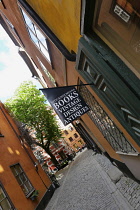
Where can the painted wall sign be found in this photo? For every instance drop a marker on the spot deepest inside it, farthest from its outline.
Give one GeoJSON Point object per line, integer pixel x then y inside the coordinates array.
{"type": "Point", "coordinates": [67, 103]}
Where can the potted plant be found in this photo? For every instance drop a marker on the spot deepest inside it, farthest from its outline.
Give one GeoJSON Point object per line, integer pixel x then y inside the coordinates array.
{"type": "Point", "coordinates": [34, 195]}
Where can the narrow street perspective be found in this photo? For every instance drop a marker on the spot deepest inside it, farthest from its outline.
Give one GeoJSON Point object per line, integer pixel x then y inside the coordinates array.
{"type": "Point", "coordinates": [86, 186]}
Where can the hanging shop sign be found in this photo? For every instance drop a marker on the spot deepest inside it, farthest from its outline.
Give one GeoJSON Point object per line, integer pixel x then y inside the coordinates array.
{"type": "Point", "coordinates": [67, 103]}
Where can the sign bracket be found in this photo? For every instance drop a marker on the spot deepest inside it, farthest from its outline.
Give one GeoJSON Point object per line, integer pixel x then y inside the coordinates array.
{"type": "Point", "coordinates": [66, 86]}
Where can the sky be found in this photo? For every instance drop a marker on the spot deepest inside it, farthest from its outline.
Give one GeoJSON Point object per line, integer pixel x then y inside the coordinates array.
{"type": "Point", "coordinates": [13, 70]}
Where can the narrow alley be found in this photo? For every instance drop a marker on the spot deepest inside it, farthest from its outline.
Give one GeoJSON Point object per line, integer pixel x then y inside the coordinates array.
{"type": "Point", "coordinates": [86, 186]}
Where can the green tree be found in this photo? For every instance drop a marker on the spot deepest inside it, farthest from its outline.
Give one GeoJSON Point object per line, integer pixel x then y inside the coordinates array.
{"type": "Point", "coordinates": [29, 106]}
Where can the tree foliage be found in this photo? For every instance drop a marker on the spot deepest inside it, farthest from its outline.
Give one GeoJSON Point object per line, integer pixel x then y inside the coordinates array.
{"type": "Point", "coordinates": [29, 106]}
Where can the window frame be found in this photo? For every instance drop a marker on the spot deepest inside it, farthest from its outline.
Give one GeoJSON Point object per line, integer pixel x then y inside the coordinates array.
{"type": "Point", "coordinates": [27, 180]}
{"type": "Point", "coordinates": [89, 29]}
{"type": "Point", "coordinates": [47, 73]}
{"type": "Point", "coordinates": [66, 132]}
{"type": "Point", "coordinates": [12, 30]}
{"type": "Point", "coordinates": [71, 140]}
{"type": "Point", "coordinates": [70, 128]}
{"type": "Point", "coordinates": [55, 145]}
{"type": "Point", "coordinates": [6, 197]}
{"type": "Point", "coordinates": [75, 135]}
{"type": "Point", "coordinates": [34, 32]}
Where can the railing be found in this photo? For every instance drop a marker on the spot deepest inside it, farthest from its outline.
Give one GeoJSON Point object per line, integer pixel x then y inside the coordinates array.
{"type": "Point", "coordinates": [104, 123]}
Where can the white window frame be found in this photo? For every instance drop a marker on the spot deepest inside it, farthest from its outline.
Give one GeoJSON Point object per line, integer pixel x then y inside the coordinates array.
{"type": "Point", "coordinates": [24, 181]}
{"type": "Point", "coordinates": [36, 35]}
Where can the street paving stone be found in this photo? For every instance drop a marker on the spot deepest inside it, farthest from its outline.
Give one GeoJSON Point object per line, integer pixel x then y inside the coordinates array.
{"type": "Point", "coordinates": [86, 186]}
{"type": "Point", "coordinates": [128, 187]}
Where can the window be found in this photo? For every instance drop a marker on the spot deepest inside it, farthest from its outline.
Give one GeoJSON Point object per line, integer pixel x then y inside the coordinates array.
{"type": "Point", "coordinates": [75, 135]}
{"type": "Point", "coordinates": [105, 124]}
{"type": "Point", "coordinates": [62, 155]}
{"type": "Point", "coordinates": [36, 35]}
{"type": "Point", "coordinates": [5, 203]}
{"type": "Point", "coordinates": [76, 146]}
{"type": "Point", "coordinates": [70, 128]}
{"type": "Point", "coordinates": [1, 1]}
{"type": "Point", "coordinates": [39, 156]}
{"type": "Point", "coordinates": [80, 142]}
{"type": "Point", "coordinates": [66, 132]}
{"type": "Point", "coordinates": [14, 34]}
{"type": "Point", "coordinates": [71, 139]}
{"type": "Point", "coordinates": [56, 145]}
{"type": "Point", "coordinates": [22, 179]}
{"type": "Point", "coordinates": [47, 72]}
{"type": "Point", "coordinates": [117, 21]}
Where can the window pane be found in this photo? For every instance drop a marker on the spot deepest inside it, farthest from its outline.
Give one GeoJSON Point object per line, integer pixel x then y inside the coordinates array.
{"type": "Point", "coordinates": [75, 135]}
{"type": "Point", "coordinates": [28, 21]}
{"type": "Point", "coordinates": [19, 180]}
{"type": "Point", "coordinates": [75, 145]}
{"type": "Point", "coordinates": [5, 204]}
{"type": "Point", "coordinates": [41, 37]}
{"type": "Point", "coordinates": [70, 128]}
{"type": "Point", "coordinates": [45, 52]}
{"type": "Point", "coordinates": [34, 39]}
{"type": "Point", "coordinates": [37, 36]}
{"type": "Point", "coordinates": [28, 185]}
{"type": "Point", "coordinates": [14, 171]}
{"type": "Point", "coordinates": [66, 132]}
{"type": "Point", "coordinates": [23, 177]}
{"type": "Point", "coordinates": [89, 70]}
{"type": "Point", "coordinates": [25, 190]}
{"type": "Point", "coordinates": [71, 139]}
{"type": "Point", "coordinates": [18, 169]}
{"type": "Point", "coordinates": [1, 194]}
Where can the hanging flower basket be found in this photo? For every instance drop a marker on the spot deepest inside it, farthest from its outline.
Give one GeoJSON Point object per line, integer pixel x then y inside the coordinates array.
{"type": "Point", "coordinates": [34, 195]}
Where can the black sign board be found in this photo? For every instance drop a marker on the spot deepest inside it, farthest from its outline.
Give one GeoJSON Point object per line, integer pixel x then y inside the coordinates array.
{"type": "Point", "coordinates": [67, 103]}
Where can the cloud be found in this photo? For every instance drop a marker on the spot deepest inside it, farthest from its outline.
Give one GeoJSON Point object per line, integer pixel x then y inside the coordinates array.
{"type": "Point", "coordinates": [13, 70]}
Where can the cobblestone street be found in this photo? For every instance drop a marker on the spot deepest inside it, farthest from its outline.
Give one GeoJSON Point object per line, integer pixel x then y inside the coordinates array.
{"type": "Point", "coordinates": [128, 187]}
{"type": "Point", "coordinates": [86, 185]}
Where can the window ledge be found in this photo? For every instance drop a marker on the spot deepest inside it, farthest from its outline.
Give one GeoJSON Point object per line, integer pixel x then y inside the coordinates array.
{"type": "Point", "coordinates": [128, 154]}
{"type": "Point", "coordinates": [27, 196]}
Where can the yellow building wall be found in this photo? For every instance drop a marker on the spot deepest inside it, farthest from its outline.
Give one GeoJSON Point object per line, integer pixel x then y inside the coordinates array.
{"type": "Point", "coordinates": [77, 142]}
{"type": "Point", "coordinates": [62, 17]}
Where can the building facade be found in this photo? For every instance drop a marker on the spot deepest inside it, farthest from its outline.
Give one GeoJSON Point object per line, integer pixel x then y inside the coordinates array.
{"type": "Point", "coordinates": [60, 150]}
{"type": "Point", "coordinates": [73, 139]}
{"type": "Point", "coordinates": [20, 174]}
{"type": "Point", "coordinates": [87, 42]}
